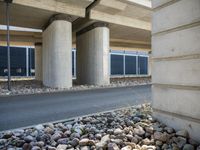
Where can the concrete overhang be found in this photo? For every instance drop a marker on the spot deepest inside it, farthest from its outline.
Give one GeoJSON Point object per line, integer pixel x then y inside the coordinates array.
{"type": "Point", "coordinates": [36, 13]}
{"type": "Point", "coordinates": [129, 21]}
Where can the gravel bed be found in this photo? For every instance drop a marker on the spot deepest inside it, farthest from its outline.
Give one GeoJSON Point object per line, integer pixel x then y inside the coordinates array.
{"type": "Point", "coordinates": [131, 128]}
{"type": "Point", "coordinates": [33, 86]}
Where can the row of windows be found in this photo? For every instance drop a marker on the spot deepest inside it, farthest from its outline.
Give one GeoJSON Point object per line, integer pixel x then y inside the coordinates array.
{"type": "Point", "coordinates": [23, 62]}
{"type": "Point", "coordinates": [123, 64]}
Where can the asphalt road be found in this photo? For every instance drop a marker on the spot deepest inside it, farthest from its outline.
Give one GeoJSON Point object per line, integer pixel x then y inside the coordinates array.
{"type": "Point", "coordinates": [21, 111]}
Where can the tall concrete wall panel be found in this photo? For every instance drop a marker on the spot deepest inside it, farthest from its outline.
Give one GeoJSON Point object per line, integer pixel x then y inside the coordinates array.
{"type": "Point", "coordinates": [93, 57]}
{"type": "Point", "coordinates": [176, 64]}
{"type": "Point", "coordinates": [57, 54]}
{"type": "Point", "coordinates": [172, 43]}
{"type": "Point", "coordinates": [177, 14]}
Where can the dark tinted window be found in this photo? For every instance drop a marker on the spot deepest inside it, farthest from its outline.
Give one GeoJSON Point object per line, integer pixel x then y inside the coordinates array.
{"type": "Point", "coordinates": [73, 65]}
{"type": "Point", "coordinates": [31, 61]}
{"type": "Point", "coordinates": [130, 64]}
{"type": "Point", "coordinates": [143, 65]}
{"type": "Point", "coordinates": [117, 64]}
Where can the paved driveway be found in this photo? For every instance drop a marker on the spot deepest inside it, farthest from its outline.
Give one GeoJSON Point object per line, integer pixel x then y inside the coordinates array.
{"type": "Point", "coordinates": [20, 111]}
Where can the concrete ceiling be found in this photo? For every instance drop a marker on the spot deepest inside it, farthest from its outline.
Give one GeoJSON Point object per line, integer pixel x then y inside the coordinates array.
{"type": "Point", "coordinates": [130, 22]}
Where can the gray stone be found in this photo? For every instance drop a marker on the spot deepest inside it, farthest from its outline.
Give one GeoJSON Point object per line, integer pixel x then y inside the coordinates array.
{"type": "Point", "coordinates": [118, 131]}
{"type": "Point", "coordinates": [39, 127]}
{"type": "Point", "coordinates": [61, 147]}
{"type": "Point", "coordinates": [62, 141]}
{"type": "Point", "coordinates": [146, 141]}
{"type": "Point", "coordinates": [183, 133]}
{"type": "Point", "coordinates": [127, 148]}
{"type": "Point", "coordinates": [56, 136]}
{"type": "Point", "coordinates": [3, 141]}
{"type": "Point", "coordinates": [188, 147]}
{"type": "Point", "coordinates": [28, 139]}
{"type": "Point", "coordinates": [86, 142]}
{"type": "Point", "coordinates": [74, 142]}
{"type": "Point", "coordinates": [161, 136]}
{"type": "Point", "coordinates": [85, 148]}
{"type": "Point", "coordinates": [36, 148]}
{"type": "Point", "coordinates": [139, 131]}
{"type": "Point", "coordinates": [7, 134]}
{"type": "Point", "coordinates": [98, 136]}
{"type": "Point", "coordinates": [113, 146]}
{"type": "Point", "coordinates": [180, 141]}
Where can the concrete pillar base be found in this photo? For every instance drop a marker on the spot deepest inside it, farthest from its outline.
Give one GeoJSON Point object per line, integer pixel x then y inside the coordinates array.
{"type": "Point", "coordinates": [57, 54]}
{"type": "Point", "coordinates": [93, 55]}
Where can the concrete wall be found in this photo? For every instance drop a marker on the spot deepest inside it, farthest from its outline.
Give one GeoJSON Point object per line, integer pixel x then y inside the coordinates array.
{"type": "Point", "coordinates": [93, 57]}
{"type": "Point", "coordinates": [57, 54]}
{"type": "Point", "coordinates": [176, 64]}
{"type": "Point", "coordinates": [38, 61]}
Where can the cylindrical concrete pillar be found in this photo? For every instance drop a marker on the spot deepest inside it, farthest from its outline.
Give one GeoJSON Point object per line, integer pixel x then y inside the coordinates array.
{"type": "Point", "coordinates": [92, 45]}
{"type": "Point", "coordinates": [38, 61]}
{"type": "Point", "coordinates": [57, 54]}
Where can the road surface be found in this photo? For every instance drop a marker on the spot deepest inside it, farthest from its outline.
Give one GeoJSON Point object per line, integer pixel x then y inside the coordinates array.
{"type": "Point", "coordinates": [21, 111]}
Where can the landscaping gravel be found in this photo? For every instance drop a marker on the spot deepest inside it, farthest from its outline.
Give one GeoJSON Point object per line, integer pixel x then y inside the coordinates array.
{"type": "Point", "coordinates": [33, 86]}
{"type": "Point", "coordinates": [131, 128]}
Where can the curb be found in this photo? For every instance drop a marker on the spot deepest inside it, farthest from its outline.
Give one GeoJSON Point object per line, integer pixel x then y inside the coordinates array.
{"type": "Point", "coordinates": [70, 120]}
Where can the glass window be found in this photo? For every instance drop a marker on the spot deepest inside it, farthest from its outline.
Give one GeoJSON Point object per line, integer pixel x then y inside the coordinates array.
{"type": "Point", "coordinates": [130, 64]}
{"type": "Point", "coordinates": [117, 65]}
{"type": "Point", "coordinates": [142, 65]}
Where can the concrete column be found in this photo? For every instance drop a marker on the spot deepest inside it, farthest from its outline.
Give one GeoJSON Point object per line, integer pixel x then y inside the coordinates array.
{"type": "Point", "coordinates": [38, 61]}
{"type": "Point", "coordinates": [93, 55]}
{"type": "Point", "coordinates": [149, 64]}
{"type": "Point", "coordinates": [176, 64]}
{"type": "Point", "coordinates": [57, 53]}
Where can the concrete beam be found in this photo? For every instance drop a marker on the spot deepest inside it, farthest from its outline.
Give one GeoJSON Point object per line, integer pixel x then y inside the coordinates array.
{"type": "Point", "coordinates": [120, 20]}
{"type": "Point", "coordinates": [54, 6]}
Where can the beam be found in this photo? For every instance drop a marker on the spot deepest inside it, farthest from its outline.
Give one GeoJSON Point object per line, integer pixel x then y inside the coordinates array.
{"type": "Point", "coordinates": [54, 6]}
{"type": "Point", "coordinates": [120, 20]}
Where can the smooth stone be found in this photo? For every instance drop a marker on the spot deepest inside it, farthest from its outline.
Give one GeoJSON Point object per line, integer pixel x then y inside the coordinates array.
{"type": "Point", "coordinates": [188, 147]}
{"type": "Point", "coordinates": [49, 130]}
{"type": "Point", "coordinates": [27, 146]}
{"type": "Point", "coordinates": [118, 131]}
{"type": "Point", "coordinates": [28, 139]}
{"type": "Point", "coordinates": [98, 136]}
{"type": "Point", "coordinates": [169, 130]}
{"type": "Point", "coordinates": [149, 129]}
{"type": "Point", "coordinates": [36, 148]}
{"type": "Point", "coordinates": [51, 148]}
{"type": "Point", "coordinates": [62, 141]}
{"type": "Point", "coordinates": [7, 135]}
{"type": "Point", "coordinates": [127, 148]}
{"type": "Point", "coordinates": [39, 127]}
{"type": "Point", "coordinates": [56, 136]}
{"type": "Point", "coordinates": [113, 146]}
{"type": "Point", "coordinates": [183, 133]}
{"type": "Point", "coordinates": [161, 136]}
{"type": "Point", "coordinates": [86, 142]}
{"type": "Point", "coordinates": [3, 141]}
{"type": "Point", "coordinates": [85, 148]}
{"type": "Point", "coordinates": [180, 141]}
{"type": "Point", "coordinates": [18, 132]}
{"type": "Point", "coordinates": [139, 131]}
{"type": "Point", "coordinates": [74, 142]}
{"type": "Point", "coordinates": [61, 147]}
{"type": "Point", "coordinates": [146, 141]}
